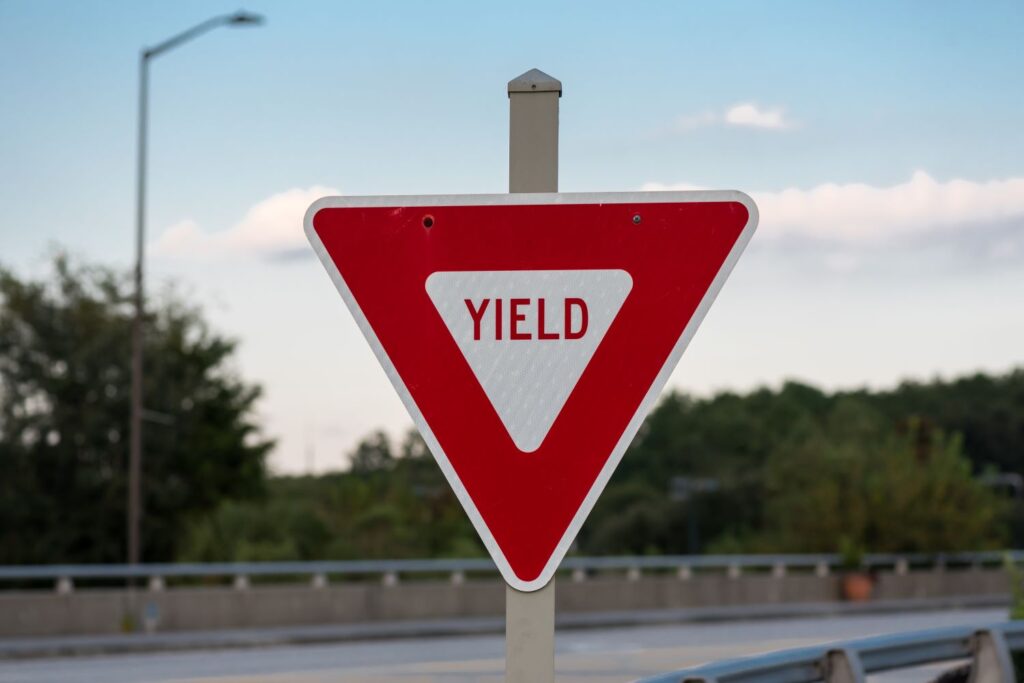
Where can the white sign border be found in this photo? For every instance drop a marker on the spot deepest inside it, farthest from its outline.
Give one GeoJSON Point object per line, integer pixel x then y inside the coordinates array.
{"type": "Point", "coordinates": [519, 199]}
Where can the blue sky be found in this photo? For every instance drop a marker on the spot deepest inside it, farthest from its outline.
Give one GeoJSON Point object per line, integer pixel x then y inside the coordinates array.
{"type": "Point", "coordinates": [882, 141]}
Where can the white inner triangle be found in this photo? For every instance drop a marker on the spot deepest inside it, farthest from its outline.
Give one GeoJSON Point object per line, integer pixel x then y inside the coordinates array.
{"type": "Point", "coordinates": [528, 379]}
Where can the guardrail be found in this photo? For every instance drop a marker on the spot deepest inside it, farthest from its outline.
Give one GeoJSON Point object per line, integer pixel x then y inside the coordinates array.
{"type": "Point", "coordinates": [580, 568]}
{"type": "Point", "coordinates": [988, 649]}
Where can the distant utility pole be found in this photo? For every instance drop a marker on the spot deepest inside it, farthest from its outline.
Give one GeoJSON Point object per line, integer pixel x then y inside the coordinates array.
{"type": "Point", "coordinates": [687, 490]}
{"type": "Point", "coordinates": [240, 18]}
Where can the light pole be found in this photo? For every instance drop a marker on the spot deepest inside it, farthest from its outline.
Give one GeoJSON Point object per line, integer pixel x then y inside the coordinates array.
{"type": "Point", "coordinates": [686, 490]}
{"type": "Point", "coordinates": [240, 18]}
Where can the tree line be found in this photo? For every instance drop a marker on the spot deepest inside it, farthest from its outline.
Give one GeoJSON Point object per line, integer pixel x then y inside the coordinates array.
{"type": "Point", "coordinates": [789, 470]}
{"type": "Point", "coordinates": [925, 466]}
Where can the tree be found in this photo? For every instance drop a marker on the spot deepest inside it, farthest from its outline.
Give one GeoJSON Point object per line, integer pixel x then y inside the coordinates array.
{"type": "Point", "coordinates": [854, 480]}
{"type": "Point", "coordinates": [373, 454]}
{"type": "Point", "coordinates": [64, 407]}
{"type": "Point", "coordinates": [386, 505]}
{"type": "Point", "coordinates": [988, 411]}
{"type": "Point", "coordinates": [727, 439]}
{"type": "Point", "coordinates": [794, 469]}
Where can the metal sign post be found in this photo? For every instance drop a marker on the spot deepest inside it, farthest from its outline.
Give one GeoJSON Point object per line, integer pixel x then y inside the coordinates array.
{"type": "Point", "coordinates": [532, 167]}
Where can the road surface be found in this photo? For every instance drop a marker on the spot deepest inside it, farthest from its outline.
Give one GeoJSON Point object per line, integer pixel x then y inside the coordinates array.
{"type": "Point", "coordinates": [592, 656]}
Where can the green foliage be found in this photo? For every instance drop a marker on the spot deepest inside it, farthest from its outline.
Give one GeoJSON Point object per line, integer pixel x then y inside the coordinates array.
{"type": "Point", "coordinates": [987, 411]}
{"type": "Point", "coordinates": [852, 482]}
{"type": "Point", "coordinates": [789, 470]}
{"type": "Point", "coordinates": [851, 551]}
{"type": "Point", "coordinates": [726, 438]}
{"type": "Point", "coordinates": [635, 519]}
{"type": "Point", "coordinates": [388, 505]}
{"type": "Point", "coordinates": [801, 470]}
{"type": "Point", "coordinates": [1016, 577]}
{"type": "Point", "coordinates": [796, 470]}
{"type": "Point", "coordinates": [373, 454]}
{"type": "Point", "coordinates": [64, 405]}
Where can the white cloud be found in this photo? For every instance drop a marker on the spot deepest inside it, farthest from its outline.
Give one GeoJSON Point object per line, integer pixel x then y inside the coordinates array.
{"type": "Point", "coordinates": [745, 114]}
{"type": "Point", "coordinates": [750, 115]}
{"type": "Point", "coordinates": [860, 213]}
{"type": "Point", "coordinates": [850, 213]}
{"type": "Point", "coordinates": [271, 227]}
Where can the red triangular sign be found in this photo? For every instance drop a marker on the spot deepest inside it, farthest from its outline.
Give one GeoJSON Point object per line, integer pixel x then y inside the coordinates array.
{"type": "Point", "coordinates": [529, 334]}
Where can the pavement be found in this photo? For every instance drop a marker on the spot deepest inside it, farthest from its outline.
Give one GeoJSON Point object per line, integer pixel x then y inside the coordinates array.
{"type": "Point", "coordinates": [599, 654]}
{"type": "Point", "coordinates": [58, 646]}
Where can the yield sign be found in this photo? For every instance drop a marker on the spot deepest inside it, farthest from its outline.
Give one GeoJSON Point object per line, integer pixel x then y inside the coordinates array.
{"type": "Point", "coordinates": [529, 334]}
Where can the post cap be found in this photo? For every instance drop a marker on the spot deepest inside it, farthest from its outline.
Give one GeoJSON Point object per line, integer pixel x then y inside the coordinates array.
{"type": "Point", "coordinates": [535, 80]}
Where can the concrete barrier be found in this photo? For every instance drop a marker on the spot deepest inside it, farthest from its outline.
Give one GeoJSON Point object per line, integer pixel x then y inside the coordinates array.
{"type": "Point", "coordinates": [104, 611]}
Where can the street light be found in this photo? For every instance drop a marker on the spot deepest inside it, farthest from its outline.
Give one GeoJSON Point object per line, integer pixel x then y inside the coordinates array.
{"type": "Point", "coordinates": [686, 490]}
{"type": "Point", "coordinates": [240, 18]}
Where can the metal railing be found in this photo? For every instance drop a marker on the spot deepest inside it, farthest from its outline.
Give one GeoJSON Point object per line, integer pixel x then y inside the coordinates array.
{"type": "Point", "coordinates": [580, 568]}
{"type": "Point", "coordinates": [988, 649]}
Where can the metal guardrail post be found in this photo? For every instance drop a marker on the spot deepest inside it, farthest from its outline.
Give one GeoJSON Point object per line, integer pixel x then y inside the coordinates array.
{"type": "Point", "coordinates": [821, 570]}
{"type": "Point", "coordinates": [65, 585]}
{"type": "Point", "coordinates": [156, 584]}
{"type": "Point", "coordinates": [902, 566]}
{"type": "Point", "coordinates": [579, 575]}
{"type": "Point", "coordinates": [779, 570]}
{"type": "Point", "coordinates": [684, 573]}
{"type": "Point", "coordinates": [633, 574]}
{"type": "Point", "coordinates": [734, 571]}
{"type": "Point", "coordinates": [992, 662]}
{"type": "Point", "coordinates": [241, 582]}
{"type": "Point", "coordinates": [319, 580]}
{"type": "Point", "coordinates": [458, 578]}
{"type": "Point", "coordinates": [390, 579]}
{"type": "Point", "coordinates": [843, 666]}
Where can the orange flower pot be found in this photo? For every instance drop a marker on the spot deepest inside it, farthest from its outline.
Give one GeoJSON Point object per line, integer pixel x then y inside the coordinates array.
{"type": "Point", "coordinates": [857, 587]}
